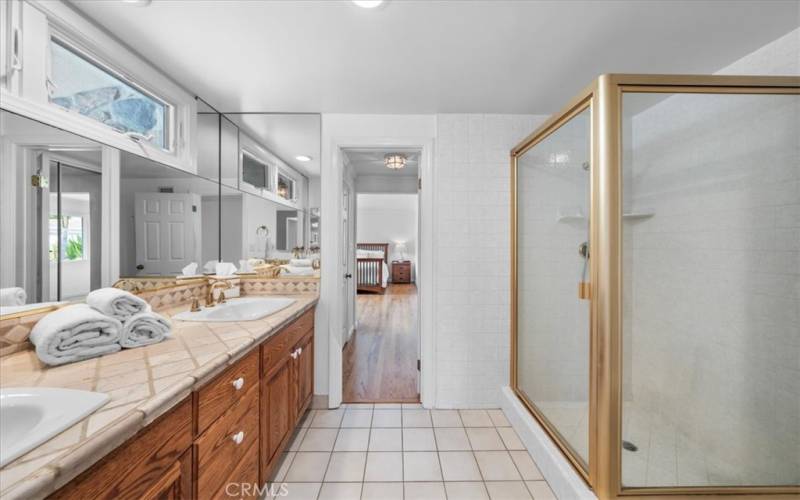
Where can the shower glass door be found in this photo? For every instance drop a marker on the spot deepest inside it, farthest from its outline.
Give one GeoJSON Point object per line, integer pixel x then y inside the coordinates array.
{"type": "Point", "coordinates": [552, 270]}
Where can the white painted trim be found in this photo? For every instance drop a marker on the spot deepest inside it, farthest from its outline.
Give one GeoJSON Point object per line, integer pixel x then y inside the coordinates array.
{"type": "Point", "coordinates": [110, 214]}
{"type": "Point", "coordinates": [556, 469]}
{"type": "Point", "coordinates": [330, 298]}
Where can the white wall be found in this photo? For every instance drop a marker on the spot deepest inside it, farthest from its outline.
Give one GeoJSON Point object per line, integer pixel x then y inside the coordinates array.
{"type": "Point", "coordinates": [471, 254]}
{"type": "Point", "coordinates": [386, 184]}
{"type": "Point", "coordinates": [389, 218]}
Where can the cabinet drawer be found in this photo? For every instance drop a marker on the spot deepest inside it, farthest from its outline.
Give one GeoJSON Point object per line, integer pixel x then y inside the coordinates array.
{"type": "Point", "coordinates": [279, 346]}
{"type": "Point", "coordinates": [218, 451]}
{"type": "Point", "coordinates": [225, 390]}
{"type": "Point", "coordinates": [243, 481]}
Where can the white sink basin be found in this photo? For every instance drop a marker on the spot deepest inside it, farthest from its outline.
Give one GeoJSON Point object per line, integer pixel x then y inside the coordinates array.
{"type": "Point", "coordinates": [29, 416]}
{"type": "Point", "coordinates": [243, 309]}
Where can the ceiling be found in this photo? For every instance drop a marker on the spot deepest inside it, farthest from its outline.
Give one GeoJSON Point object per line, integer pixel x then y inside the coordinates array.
{"type": "Point", "coordinates": [414, 56]}
{"type": "Point", "coordinates": [370, 162]}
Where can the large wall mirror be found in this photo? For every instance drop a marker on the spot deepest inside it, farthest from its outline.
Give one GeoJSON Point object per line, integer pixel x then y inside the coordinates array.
{"type": "Point", "coordinates": [247, 198]}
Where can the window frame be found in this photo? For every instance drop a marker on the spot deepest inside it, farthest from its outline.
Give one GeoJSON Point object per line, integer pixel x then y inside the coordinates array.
{"type": "Point", "coordinates": [243, 151]}
{"type": "Point", "coordinates": [60, 37]}
{"type": "Point", "coordinates": [292, 183]}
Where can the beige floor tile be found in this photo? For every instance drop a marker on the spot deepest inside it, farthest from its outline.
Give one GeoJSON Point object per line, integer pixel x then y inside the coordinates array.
{"type": "Point", "coordinates": [382, 491]}
{"type": "Point", "coordinates": [510, 438]}
{"type": "Point", "coordinates": [507, 490]}
{"type": "Point", "coordinates": [496, 466]}
{"type": "Point", "coordinates": [484, 438]}
{"type": "Point", "coordinates": [446, 418]}
{"type": "Point", "coordinates": [451, 439]}
{"type": "Point", "coordinates": [526, 466]}
{"type": "Point", "coordinates": [459, 466]}
{"type": "Point", "coordinates": [498, 418]}
{"type": "Point", "coordinates": [346, 467]}
{"type": "Point", "coordinates": [357, 418]}
{"type": "Point", "coordinates": [308, 467]}
{"type": "Point", "coordinates": [387, 418]}
{"type": "Point", "coordinates": [328, 418]}
{"type": "Point", "coordinates": [473, 490]}
{"type": "Point", "coordinates": [340, 491]}
{"type": "Point", "coordinates": [424, 491]}
{"type": "Point", "coordinates": [421, 466]}
{"type": "Point", "coordinates": [362, 406]}
{"type": "Point", "coordinates": [279, 472]}
{"type": "Point", "coordinates": [386, 440]}
{"type": "Point", "coordinates": [319, 440]}
{"type": "Point", "coordinates": [417, 418]}
{"type": "Point", "coordinates": [540, 490]}
{"type": "Point", "coordinates": [297, 439]}
{"type": "Point", "coordinates": [308, 416]}
{"type": "Point", "coordinates": [352, 440]}
{"type": "Point", "coordinates": [418, 439]}
{"type": "Point", "coordinates": [295, 491]}
{"type": "Point", "coordinates": [384, 466]}
{"type": "Point", "coordinates": [412, 406]}
{"type": "Point", "coordinates": [475, 418]}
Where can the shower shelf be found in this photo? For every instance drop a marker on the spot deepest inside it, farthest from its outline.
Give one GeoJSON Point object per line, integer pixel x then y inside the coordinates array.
{"type": "Point", "coordinates": [578, 217]}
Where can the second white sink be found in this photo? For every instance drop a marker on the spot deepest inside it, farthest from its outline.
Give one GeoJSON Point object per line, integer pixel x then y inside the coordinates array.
{"type": "Point", "coordinates": [29, 416]}
{"type": "Point", "coordinates": [243, 309]}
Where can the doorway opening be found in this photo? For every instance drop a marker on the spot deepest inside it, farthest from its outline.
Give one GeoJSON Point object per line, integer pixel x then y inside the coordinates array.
{"type": "Point", "coordinates": [380, 358]}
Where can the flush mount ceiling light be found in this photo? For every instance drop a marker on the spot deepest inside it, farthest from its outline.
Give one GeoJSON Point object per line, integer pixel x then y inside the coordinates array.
{"type": "Point", "coordinates": [368, 4]}
{"type": "Point", "coordinates": [394, 161]}
{"type": "Point", "coordinates": [137, 3]}
{"type": "Point", "coordinates": [302, 158]}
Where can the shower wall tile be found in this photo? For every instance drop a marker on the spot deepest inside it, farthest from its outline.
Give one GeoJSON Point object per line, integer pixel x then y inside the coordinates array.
{"type": "Point", "coordinates": [472, 276]}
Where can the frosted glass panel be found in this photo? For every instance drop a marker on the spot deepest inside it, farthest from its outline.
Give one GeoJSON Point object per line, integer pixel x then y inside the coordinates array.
{"type": "Point", "coordinates": [711, 343]}
{"type": "Point", "coordinates": [552, 322]}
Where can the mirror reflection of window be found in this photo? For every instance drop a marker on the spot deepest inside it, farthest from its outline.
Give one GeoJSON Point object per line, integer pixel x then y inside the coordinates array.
{"type": "Point", "coordinates": [254, 171]}
{"type": "Point", "coordinates": [285, 187]}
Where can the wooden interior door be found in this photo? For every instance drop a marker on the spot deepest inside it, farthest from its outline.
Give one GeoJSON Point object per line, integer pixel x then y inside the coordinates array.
{"type": "Point", "coordinates": [167, 232]}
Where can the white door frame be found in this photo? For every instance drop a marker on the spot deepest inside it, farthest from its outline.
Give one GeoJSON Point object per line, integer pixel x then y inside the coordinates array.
{"type": "Point", "coordinates": [332, 277]}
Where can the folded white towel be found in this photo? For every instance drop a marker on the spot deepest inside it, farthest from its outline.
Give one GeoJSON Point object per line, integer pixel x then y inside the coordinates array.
{"type": "Point", "coordinates": [299, 271]}
{"type": "Point", "coordinates": [14, 296]}
{"type": "Point", "coordinates": [300, 262]}
{"type": "Point", "coordinates": [75, 333]}
{"type": "Point", "coordinates": [143, 329]}
{"type": "Point", "coordinates": [211, 266]}
{"type": "Point", "coordinates": [116, 303]}
{"type": "Point", "coordinates": [190, 269]}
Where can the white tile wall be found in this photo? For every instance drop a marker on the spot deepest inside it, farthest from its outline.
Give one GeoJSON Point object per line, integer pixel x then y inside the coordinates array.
{"type": "Point", "coordinates": [472, 254]}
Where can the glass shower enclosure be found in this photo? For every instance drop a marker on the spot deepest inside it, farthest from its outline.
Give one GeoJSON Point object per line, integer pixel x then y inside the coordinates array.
{"type": "Point", "coordinates": [656, 284]}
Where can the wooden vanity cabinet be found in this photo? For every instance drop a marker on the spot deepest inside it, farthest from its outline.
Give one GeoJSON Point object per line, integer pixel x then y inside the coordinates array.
{"type": "Point", "coordinates": [231, 431]}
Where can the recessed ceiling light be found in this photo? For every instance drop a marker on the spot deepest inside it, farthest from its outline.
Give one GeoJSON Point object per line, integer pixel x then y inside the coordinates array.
{"type": "Point", "coordinates": [368, 4]}
{"type": "Point", "coordinates": [137, 3]}
{"type": "Point", "coordinates": [302, 158]}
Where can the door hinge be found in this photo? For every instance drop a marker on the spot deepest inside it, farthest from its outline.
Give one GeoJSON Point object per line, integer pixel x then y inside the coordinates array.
{"type": "Point", "coordinates": [419, 365]}
{"type": "Point", "coordinates": [39, 181]}
{"type": "Point", "coordinates": [419, 183]}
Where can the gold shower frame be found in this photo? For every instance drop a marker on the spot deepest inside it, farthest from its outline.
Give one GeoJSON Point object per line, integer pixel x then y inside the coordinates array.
{"type": "Point", "coordinates": [603, 97]}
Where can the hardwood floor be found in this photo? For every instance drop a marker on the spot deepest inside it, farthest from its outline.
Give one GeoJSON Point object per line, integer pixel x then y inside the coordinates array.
{"type": "Point", "coordinates": [379, 363]}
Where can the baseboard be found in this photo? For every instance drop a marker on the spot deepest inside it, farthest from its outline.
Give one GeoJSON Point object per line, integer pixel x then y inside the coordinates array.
{"type": "Point", "coordinates": [556, 469]}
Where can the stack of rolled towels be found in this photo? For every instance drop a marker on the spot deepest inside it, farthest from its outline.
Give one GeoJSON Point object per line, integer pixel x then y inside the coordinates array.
{"type": "Point", "coordinates": [111, 319]}
{"type": "Point", "coordinates": [299, 267]}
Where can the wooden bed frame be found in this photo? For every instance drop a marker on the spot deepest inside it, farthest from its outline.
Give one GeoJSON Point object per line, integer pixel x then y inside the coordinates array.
{"type": "Point", "coordinates": [369, 272]}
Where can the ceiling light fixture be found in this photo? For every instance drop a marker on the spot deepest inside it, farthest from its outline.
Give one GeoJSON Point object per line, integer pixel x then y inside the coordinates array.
{"type": "Point", "coordinates": [394, 161]}
{"type": "Point", "coordinates": [368, 4]}
{"type": "Point", "coordinates": [138, 3]}
{"type": "Point", "coordinates": [302, 158]}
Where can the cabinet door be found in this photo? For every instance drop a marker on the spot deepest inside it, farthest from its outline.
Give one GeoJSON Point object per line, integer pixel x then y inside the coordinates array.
{"type": "Point", "coordinates": [277, 409]}
{"type": "Point", "coordinates": [175, 483]}
{"type": "Point", "coordinates": [305, 374]}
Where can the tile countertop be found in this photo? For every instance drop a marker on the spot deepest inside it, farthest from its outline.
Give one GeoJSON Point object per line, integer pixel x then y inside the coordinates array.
{"type": "Point", "coordinates": [143, 383]}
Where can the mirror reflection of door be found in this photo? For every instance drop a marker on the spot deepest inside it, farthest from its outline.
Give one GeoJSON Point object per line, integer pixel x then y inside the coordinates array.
{"type": "Point", "coordinates": [69, 232]}
{"type": "Point", "coordinates": [167, 232]}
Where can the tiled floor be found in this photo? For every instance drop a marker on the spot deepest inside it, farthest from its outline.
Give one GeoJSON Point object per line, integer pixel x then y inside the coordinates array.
{"type": "Point", "coordinates": [388, 452]}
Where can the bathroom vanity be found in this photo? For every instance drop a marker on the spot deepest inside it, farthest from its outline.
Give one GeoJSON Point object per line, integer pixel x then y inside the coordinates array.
{"type": "Point", "coordinates": [229, 431]}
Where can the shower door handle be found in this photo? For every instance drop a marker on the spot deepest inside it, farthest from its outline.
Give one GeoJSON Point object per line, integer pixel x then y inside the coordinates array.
{"type": "Point", "coordinates": [584, 290]}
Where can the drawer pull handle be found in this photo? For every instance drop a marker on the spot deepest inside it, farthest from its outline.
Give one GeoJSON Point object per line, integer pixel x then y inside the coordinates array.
{"type": "Point", "coordinates": [299, 351]}
{"type": "Point", "coordinates": [238, 383]}
{"type": "Point", "coordinates": [238, 437]}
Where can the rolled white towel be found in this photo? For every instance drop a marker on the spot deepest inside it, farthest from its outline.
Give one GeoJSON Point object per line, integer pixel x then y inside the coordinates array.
{"type": "Point", "coordinates": [117, 303]}
{"type": "Point", "coordinates": [300, 262]}
{"type": "Point", "coordinates": [299, 271]}
{"type": "Point", "coordinates": [143, 329]}
{"type": "Point", "coordinates": [75, 333]}
{"type": "Point", "coordinates": [14, 296]}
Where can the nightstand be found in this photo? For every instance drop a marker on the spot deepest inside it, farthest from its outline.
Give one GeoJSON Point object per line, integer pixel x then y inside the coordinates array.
{"type": "Point", "coordinates": [401, 271]}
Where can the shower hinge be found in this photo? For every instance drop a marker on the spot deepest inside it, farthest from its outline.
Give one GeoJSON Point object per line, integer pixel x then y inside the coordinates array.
{"type": "Point", "coordinates": [39, 181]}
{"type": "Point", "coordinates": [419, 365]}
